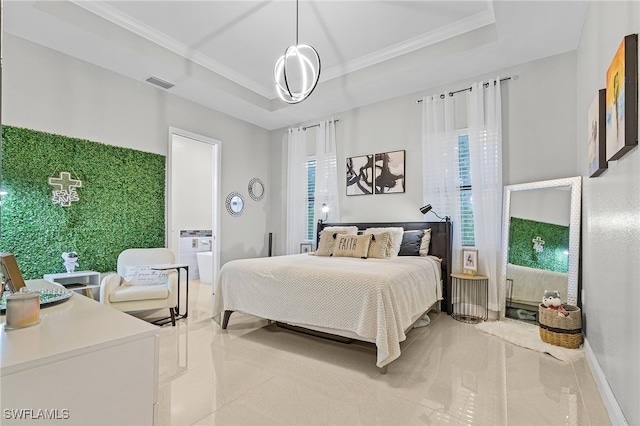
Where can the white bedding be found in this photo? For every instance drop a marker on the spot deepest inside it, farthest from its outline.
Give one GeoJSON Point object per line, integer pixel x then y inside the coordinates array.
{"type": "Point", "coordinates": [529, 284]}
{"type": "Point", "coordinates": [377, 299]}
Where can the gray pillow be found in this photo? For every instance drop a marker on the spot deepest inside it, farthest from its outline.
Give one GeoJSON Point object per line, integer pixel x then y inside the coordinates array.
{"type": "Point", "coordinates": [410, 245]}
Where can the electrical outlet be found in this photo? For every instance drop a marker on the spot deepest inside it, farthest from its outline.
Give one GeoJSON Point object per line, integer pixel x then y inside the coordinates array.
{"type": "Point", "coordinates": [194, 243]}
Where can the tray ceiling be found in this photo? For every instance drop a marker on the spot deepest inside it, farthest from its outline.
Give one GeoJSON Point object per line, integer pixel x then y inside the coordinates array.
{"type": "Point", "coordinates": [221, 53]}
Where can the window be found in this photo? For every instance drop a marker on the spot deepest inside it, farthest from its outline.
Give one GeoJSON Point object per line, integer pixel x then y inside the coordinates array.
{"type": "Point", "coordinates": [311, 197]}
{"type": "Point", "coordinates": [466, 195]}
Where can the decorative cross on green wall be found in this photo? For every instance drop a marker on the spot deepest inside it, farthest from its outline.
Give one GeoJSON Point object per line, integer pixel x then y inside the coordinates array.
{"type": "Point", "coordinates": [538, 244]}
{"type": "Point", "coordinates": [64, 191]}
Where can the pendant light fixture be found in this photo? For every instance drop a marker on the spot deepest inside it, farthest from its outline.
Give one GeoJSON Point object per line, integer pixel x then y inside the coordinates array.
{"type": "Point", "coordinates": [297, 71]}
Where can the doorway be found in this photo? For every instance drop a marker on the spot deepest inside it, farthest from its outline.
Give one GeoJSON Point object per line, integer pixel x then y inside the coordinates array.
{"type": "Point", "coordinates": [193, 202]}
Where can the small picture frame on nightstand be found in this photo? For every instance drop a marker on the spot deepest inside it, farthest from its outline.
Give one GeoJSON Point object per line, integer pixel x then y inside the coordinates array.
{"type": "Point", "coordinates": [306, 247]}
{"type": "Point", "coordinates": [470, 261]}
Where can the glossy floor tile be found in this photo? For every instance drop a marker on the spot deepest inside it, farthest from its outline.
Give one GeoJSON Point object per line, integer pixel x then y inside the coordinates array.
{"type": "Point", "coordinates": [255, 373]}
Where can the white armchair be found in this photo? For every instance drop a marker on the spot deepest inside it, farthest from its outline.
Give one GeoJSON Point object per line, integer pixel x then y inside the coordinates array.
{"type": "Point", "coordinates": [119, 293]}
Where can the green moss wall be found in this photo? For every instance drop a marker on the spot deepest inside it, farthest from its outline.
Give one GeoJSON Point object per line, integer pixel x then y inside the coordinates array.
{"type": "Point", "coordinates": [121, 202]}
{"type": "Point", "coordinates": [556, 245]}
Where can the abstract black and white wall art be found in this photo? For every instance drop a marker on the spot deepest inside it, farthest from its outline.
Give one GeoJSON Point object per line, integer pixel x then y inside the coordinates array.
{"type": "Point", "coordinates": [360, 175]}
{"type": "Point", "coordinates": [381, 173]}
{"type": "Point", "coordinates": [389, 172]}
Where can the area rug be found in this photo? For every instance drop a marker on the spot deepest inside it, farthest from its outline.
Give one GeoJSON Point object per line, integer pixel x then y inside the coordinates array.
{"type": "Point", "coordinates": [528, 336]}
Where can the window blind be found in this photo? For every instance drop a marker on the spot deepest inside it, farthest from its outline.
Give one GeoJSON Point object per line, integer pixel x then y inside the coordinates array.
{"type": "Point", "coordinates": [465, 191]}
{"type": "Point", "coordinates": [311, 191]}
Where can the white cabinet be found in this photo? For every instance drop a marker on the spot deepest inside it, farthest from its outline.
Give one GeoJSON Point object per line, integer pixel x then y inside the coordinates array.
{"type": "Point", "coordinates": [75, 280]}
{"type": "Point", "coordinates": [82, 280]}
{"type": "Point", "coordinates": [84, 364]}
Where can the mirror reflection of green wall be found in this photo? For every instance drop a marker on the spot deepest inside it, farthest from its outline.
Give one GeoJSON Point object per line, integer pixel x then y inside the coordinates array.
{"type": "Point", "coordinates": [555, 253]}
{"type": "Point", "coordinates": [121, 202]}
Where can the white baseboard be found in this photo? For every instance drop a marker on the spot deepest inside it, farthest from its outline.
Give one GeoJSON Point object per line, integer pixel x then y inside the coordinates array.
{"type": "Point", "coordinates": [611, 403]}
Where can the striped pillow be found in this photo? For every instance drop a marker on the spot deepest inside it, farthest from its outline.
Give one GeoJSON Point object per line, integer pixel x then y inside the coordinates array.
{"type": "Point", "coordinates": [380, 245]}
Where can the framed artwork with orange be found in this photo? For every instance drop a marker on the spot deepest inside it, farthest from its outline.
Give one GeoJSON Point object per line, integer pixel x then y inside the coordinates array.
{"type": "Point", "coordinates": [622, 99]}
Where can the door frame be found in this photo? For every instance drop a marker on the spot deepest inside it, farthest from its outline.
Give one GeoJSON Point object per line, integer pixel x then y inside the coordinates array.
{"type": "Point", "coordinates": [173, 243]}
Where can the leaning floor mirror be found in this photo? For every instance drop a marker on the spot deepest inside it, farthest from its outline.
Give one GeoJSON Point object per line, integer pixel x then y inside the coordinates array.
{"type": "Point", "coordinates": [540, 245]}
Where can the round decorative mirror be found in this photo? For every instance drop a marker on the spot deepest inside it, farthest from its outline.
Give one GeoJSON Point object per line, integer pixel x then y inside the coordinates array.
{"type": "Point", "coordinates": [256, 189]}
{"type": "Point", "coordinates": [235, 204]}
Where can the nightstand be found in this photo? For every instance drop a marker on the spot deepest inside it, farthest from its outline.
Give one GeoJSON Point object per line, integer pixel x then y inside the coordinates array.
{"type": "Point", "coordinates": [470, 298]}
{"type": "Point", "coordinates": [177, 267]}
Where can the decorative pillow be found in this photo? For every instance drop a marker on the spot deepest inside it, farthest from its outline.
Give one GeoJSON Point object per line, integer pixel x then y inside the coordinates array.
{"type": "Point", "coordinates": [328, 241]}
{"type": "Point", "coordinates": [380, 245]}
{"type": "Point", "coordinates": [348, 230]}
{"type": "Point", "coordinates": [352, 246]}
{"type": "Point", "coordinates": [410, 245]}
{"type": "Point", "coordinates": [144, 275]}
{"type": "Point", "coordinates": [396, 237]}
{"type": "Point", "coordinates": [424, 244]}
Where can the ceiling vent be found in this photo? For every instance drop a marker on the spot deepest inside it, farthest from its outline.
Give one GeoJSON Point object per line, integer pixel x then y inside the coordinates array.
{"type": "Point", "coordinates": [160, 82]}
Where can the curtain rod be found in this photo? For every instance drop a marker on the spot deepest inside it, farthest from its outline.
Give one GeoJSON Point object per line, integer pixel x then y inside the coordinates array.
{"type": "Point", "coordinates": [513, 77]}
{"type": "Point", "coordinates": [304, 129]}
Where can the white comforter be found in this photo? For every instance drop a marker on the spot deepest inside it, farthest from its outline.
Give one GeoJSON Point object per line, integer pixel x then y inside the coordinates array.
{"type": "Point", "coordinates": [376, 299]}
{"type": "Point", "coordinates": [529, 284]}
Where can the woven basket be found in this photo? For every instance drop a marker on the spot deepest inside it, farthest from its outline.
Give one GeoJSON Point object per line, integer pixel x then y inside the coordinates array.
{"type": "Point", "coordinates": [561, 331]}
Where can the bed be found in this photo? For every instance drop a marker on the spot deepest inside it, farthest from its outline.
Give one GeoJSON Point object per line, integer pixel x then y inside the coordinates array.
{"type": "Point", "coordinates": [525, 286]}
{"type": "Point", "coordinates": [373, 300]}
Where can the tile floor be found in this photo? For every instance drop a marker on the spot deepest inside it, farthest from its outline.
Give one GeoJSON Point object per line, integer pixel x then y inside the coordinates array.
{"type": "Point", "coordinates": [449, 373]}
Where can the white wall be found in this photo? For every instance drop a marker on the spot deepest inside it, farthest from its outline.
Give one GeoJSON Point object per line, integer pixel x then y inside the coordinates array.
{"type": "Point", "coordinates": [611, 219]}
{"type": "Point", "coordinates": [48, 91]}
{"type": "Point", "coordinates": [549, 205]}
{"type": "Point", "coordinates": [539, 140]}
{"type": "Point", "coordinates": [193, 174]}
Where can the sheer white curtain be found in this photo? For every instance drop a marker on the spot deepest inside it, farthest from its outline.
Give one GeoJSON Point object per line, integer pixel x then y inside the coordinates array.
{"type": "Point", "coordinates": [485, 154]}
{"type": "Point", "coordinates": [326, 173]}
{"type": "Point", "coordinates": [441, 186]}
{"type": "Point", "coordinates": [441, 175]}
{"type": "Point", "coordinates": [296, 190]}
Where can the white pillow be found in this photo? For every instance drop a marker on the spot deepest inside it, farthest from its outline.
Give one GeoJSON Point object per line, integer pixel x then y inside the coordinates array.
{"type": "Point", "coordinates": [144, 275]}
{"type": "Point", "coordinates": [396, 237]}
{"type": "Point", "coordinates": [328, 239]}
{"type": "Point", "coordinates": [380, 246]}
{"type": "Point", "coordinates": [346, 230]}
{"type": "Point", "coordinates": [424, 243]}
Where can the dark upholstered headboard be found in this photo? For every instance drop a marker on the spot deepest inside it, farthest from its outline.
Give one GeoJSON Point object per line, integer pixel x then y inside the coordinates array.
{"type": "Point", "coordinates": [441, 242]}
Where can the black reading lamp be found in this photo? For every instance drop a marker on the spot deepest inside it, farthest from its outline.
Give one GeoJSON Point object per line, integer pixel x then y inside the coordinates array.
{"type": "Point", "coordinates": [426, 209]}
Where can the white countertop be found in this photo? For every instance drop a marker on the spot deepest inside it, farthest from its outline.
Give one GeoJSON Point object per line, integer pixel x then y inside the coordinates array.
{"type": "Point", "coordinates": [73, 327]}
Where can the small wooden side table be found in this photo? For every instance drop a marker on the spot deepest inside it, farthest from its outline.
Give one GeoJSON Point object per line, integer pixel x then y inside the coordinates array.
{"type": "Point", "coordinates": [470, 298]}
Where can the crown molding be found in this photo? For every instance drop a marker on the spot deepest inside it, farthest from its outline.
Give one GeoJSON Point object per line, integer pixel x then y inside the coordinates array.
{"type": "Point", "coordinates": [102, 9]}
{"type": "Point", "coordinates": [454, 29]}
